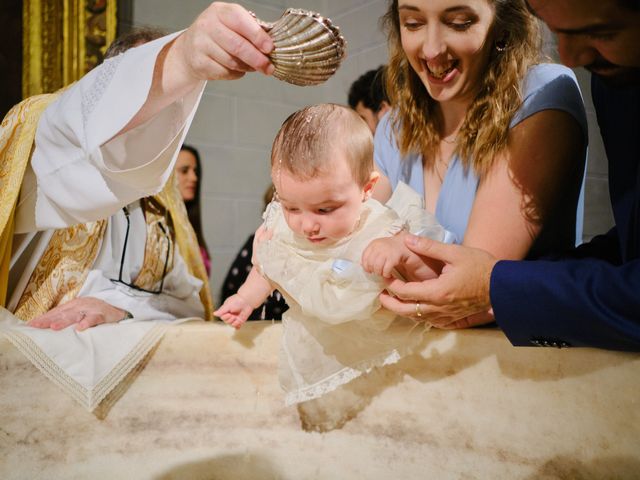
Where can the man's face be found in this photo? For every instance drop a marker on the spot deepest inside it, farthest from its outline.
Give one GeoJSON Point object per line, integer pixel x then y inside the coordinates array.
{"type": "Point", "coordinates": [599, 35]}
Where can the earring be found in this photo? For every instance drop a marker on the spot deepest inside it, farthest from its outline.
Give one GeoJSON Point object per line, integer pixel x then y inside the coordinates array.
{"type": "Point", "coordinates": [501, 45]}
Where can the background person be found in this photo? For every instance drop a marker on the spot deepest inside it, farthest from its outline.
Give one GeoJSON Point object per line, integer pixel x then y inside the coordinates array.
{"type": "Point", "coordinates": [368, 97]}
{"type": "Point", "coordinates": [188, 175]}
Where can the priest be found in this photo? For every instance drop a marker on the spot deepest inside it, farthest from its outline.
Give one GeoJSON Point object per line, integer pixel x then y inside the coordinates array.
{"type": "Point", "coordinates": [92, 230]}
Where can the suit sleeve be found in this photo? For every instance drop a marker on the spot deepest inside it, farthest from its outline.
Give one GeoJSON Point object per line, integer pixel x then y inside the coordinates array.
{"type": "Point", "coordinates": [604, 247]}
{"type": "Point", "coordinates": [582, 303]}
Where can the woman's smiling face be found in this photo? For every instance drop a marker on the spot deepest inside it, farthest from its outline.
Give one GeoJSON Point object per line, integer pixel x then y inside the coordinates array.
{"type": "Point", "coordinates": [448, 44]}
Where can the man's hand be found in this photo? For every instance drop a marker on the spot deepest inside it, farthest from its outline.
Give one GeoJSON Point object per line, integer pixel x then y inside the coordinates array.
{"type": "Point", "coordinates": [223, 43]}
{"type": "Point", "coordinates": [452, 299]}
{"type": "Point", "coordinates": [235, 311]}
{"type": "Point", "coordinates": [84, 312]}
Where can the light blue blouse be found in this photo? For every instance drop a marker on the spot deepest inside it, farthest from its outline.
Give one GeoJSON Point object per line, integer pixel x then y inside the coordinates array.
{"type": "Point", "coordinates": [546, 86]}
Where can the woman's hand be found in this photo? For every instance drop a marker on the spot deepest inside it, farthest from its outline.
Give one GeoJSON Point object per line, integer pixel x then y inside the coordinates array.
{"type": "Point", "coordinates": [453, 298]}
{"type": "Point", "coordinates": [84, 312]}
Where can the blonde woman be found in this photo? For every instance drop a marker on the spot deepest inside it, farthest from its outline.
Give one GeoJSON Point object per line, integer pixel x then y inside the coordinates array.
{"type": "Point", "coordinates": [494, 140]}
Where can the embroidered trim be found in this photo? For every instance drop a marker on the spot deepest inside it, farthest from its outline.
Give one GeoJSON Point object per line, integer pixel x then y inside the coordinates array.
{"type": "Point", "coordinates": [92, 95]}
{"type": "Point", "coordinates": [342, 377]}
{"type": "Point", "coordinates": [89, 398]}
{"type": "Point", "coordinates": [159, 247]}
{"type": "Point", "coordinates": [62, 270]}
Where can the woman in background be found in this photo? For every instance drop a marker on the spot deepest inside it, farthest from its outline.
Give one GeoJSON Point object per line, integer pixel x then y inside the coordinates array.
{"type": "Point", "coordinates": [188, 172]}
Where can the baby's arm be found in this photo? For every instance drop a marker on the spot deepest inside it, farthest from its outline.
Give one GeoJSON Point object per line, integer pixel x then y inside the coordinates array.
{"type": "Point", "coordinates": [253, 292]}
{"type": "Point", "coordinates": [389, 257]}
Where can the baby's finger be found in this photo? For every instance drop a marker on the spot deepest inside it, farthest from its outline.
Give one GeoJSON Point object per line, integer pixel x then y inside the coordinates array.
{"type": "Point", "coordinates": [387, 270]}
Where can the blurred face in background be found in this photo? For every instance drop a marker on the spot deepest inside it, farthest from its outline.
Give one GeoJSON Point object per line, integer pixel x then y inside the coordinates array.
{"type": "Point", "coordinates": [187, 173]}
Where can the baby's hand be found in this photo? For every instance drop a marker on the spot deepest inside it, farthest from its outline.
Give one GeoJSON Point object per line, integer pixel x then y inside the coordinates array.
{"type": "Point", "coordinates": [415, 268]}
{"type": "Point", "coordinates": [383, 255]}
{"type": "Point", "coordinates": [235, 311]}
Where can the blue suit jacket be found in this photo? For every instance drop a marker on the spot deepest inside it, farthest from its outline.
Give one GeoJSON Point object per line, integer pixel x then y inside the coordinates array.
{"type": "Point", "coordinates": [591, 296]}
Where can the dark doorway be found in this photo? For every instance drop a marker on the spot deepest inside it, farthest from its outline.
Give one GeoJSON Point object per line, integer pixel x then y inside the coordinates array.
{"type": "Point", "coordinates": [10, 54]}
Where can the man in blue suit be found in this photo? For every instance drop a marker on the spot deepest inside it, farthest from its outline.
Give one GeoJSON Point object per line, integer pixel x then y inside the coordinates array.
{"type": "Point", "coordinates": [589, 296]}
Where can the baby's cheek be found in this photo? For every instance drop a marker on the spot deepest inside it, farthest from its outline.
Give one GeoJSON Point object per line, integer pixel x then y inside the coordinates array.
{"type": "Point", "coordinates": [290, 222]}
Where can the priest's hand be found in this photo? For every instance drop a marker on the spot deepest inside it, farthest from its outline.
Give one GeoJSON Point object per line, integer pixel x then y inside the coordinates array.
{"type": "Point", "coordinates": [223, 43]}
{"type": "Point", "coordinates": [84, 312]}
{"type": "Point", "coordinates": [457, 298]}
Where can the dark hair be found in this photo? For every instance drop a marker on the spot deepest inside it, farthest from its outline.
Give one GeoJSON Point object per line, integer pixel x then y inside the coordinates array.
{"type": "Point", "coordinates": [628, 4]}
{"type": "Point", "coordinates": [133, 38]}
{"type": "Point", "coordinates": [369, 89]}
{"type": "Point", "coordinates": [193, 206]}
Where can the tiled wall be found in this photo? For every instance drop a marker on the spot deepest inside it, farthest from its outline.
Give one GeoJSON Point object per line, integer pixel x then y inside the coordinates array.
{"type": "Point", "coordinates": [237, 120]}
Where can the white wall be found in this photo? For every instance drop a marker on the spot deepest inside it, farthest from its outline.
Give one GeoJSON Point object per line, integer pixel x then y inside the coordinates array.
{"type": "Point", "coordinates": [237, 120]}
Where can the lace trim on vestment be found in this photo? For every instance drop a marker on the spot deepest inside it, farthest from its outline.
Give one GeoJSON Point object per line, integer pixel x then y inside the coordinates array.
{"type": "Point", "coordinates": [89, 398]}
{"type": "Point", "coordinates": [92, 95]}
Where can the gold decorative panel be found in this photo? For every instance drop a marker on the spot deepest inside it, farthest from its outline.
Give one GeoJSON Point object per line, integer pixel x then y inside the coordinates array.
{"type": "Point", "coordinates": [63, 40]}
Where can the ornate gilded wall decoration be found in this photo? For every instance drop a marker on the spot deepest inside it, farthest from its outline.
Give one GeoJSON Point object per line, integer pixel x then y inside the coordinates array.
{"type": "Point", "coordinates": [63, 40]}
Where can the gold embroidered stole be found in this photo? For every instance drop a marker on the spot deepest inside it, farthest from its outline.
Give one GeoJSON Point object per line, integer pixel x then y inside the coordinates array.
{"type": "Point", "coordinates": [159, 245]}
{"type": "Point", "coordinates": [17, 134]}
{"type": "Point", "coordinates": [62, 269]}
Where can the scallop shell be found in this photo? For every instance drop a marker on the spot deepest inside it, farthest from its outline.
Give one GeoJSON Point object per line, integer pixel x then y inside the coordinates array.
{"type": "Point", "coordinates": [308, 48]}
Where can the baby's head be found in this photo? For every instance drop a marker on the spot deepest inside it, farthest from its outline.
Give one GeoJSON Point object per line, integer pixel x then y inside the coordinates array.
{"type": "Point", "coordinates": [322, 168]}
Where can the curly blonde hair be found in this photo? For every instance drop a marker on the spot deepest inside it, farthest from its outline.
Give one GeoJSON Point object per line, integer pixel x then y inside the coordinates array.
{"type": "Point", "coordinates": [484, 132]}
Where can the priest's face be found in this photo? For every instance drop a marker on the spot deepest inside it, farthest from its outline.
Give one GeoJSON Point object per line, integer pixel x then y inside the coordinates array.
{"type": "Point", "coordinates": [187, 173]}
{"type": "Point", "coordinates": [600, 35]}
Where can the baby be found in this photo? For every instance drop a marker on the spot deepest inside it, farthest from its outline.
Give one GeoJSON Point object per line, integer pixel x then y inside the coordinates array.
{"type": "Point", "coordinates": [313, 240]}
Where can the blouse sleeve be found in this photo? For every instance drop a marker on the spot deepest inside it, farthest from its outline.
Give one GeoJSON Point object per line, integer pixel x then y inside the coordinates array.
{"type": "Point", "coordinates": [551, 87]}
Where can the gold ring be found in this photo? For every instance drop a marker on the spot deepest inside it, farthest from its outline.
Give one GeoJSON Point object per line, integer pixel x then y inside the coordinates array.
{"type": "Point", "coordinates": [418, 312]}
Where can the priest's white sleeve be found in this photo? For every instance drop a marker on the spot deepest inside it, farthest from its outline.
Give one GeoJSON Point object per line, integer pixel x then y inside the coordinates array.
{"type": "Point", "coordinates": [79, 172]}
